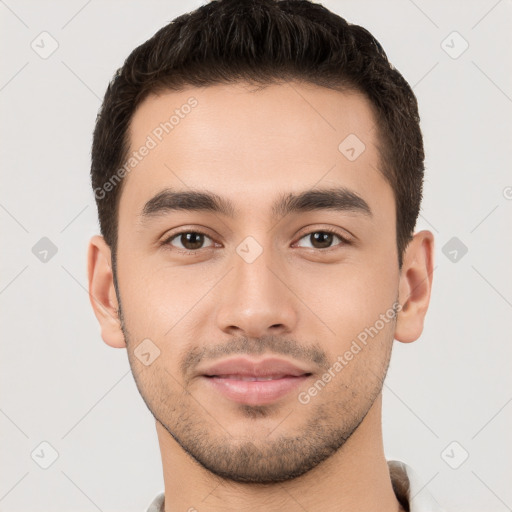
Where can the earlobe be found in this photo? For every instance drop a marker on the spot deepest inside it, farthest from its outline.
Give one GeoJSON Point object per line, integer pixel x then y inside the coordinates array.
{"type": "Point", "coordinates": [102, 293]}
{"type": "Point", "coordinates": [415, 286]}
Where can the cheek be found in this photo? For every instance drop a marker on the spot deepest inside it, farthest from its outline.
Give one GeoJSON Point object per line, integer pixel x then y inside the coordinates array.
{"type": "Point", "coordinates": [158, 299]}
{"type": "Point", "coordinates": [347, 298]}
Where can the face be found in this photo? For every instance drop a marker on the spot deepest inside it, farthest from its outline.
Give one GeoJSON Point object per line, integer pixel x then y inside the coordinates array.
{"type": "Point", "coordinates": [293, 259]}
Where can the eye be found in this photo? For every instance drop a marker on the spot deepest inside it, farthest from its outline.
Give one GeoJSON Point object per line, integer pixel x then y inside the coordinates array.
{"type": "Point", "coordinates": [323, 239]}
{"type": "Point", "coordinates": [194, 240]}
{"type": "Point", "coordinates": [189, 240]}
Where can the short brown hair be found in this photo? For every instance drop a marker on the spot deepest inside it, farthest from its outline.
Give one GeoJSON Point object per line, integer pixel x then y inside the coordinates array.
{"type": "Point", "coordinates": [264, 42]}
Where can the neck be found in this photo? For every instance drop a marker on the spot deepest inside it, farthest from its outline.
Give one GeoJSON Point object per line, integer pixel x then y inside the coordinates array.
{"type": "Point", "coordinates": [355, 478]}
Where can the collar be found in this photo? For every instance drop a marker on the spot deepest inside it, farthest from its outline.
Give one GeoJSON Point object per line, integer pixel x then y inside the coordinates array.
{"type": "Point", "coordinates": [410, 491]}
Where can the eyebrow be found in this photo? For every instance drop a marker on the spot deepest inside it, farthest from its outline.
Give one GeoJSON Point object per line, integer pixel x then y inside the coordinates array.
{"type": "Point", "coordinates": [337, 199]}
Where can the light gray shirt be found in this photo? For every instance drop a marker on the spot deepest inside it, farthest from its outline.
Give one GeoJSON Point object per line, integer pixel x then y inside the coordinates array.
{"type": "Point", "coordinates": [409, 491]}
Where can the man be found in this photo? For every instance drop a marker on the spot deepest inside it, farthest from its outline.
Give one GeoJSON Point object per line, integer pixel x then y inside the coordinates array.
{"type": "Point", "coordinates": [258, 169]}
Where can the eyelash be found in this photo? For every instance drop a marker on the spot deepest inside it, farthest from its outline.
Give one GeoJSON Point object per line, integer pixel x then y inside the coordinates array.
{"type": "Point", "coordinates": [191, 252]}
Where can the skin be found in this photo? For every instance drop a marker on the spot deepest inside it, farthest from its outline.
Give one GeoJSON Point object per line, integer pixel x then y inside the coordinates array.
{"type": "Point", "coordinates": [299, 300]}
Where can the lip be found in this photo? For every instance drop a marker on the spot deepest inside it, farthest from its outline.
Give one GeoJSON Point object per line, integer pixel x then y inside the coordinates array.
{"type": "Point", "coordinates": [232, 379]}
{"type": "Point", "coordinates": [242, 366]}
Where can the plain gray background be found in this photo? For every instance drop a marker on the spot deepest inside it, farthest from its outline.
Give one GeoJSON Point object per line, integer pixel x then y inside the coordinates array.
{"type": "Point", "coordinates": [447, 396]}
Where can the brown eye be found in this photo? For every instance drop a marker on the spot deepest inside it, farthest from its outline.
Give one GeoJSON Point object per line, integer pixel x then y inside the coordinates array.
{"type": "Point", "coordinates": [322, 239]}
{"type": "Point", "coordinates": [189, 240]}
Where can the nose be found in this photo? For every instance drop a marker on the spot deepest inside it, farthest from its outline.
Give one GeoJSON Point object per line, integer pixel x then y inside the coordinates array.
{"type": "Point", "coordinates": [256, 299]}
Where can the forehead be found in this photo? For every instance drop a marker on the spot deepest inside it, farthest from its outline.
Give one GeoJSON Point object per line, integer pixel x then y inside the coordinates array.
{"type": "Point", "coordinates": [249, 144]}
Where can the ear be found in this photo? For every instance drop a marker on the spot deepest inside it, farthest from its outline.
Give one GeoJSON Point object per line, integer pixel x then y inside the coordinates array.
{"type": "Point", "coordinates": [102, 293]}
{"type": "Point", "coordinates": [415, 286]}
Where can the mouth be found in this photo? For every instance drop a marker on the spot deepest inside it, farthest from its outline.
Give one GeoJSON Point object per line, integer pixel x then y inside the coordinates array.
{"type": "Point", "coordinates": [253, 378]}
{"type": "Point", "coordinates": [254, 382]}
